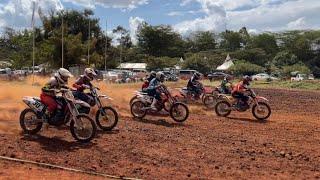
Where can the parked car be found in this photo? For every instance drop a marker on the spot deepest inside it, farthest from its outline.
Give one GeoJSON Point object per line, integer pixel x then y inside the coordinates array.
{"type": "Point", "coordinates": [263, 77]}
{"type": "Point", "coordinates": [186, 74]}
{"type": "Point", "coordinates": [169, 76]}
{"type": "Point", "coordinates": [310, 77]}
{"type": "Point", "coordinates": [217, 76]}
{"type": "Point", "coordinates": [299, 77]}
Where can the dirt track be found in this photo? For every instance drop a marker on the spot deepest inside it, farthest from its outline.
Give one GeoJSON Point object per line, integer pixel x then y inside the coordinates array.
{"type": "Point", "coordinates": [286, 146]}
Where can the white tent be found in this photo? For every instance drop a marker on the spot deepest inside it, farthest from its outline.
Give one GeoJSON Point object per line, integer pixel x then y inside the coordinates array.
{"type": "Point", "coordinates": [226, 65]}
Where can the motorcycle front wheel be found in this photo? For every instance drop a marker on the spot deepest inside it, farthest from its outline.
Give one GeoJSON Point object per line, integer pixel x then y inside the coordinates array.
{"type": "Point", "coordinates": [86, 130]}
{"type": "Point", "coordinates": [107, 118]}
{"type": "Point", "coordinates": [29, 121]}
{"type": "Point", "coordinates": [223, 108]}
{"type": "Point", "coordinates": [179, 112]}
{"type": "Point", "coordinates": [209, 100]}
{"type": "Point", "coordinates": [262, 111]}
{"type": "Point", "coordinates": [138, 109]}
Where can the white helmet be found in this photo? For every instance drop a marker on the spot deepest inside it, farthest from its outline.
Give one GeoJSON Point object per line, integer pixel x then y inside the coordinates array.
{"type": "Point", "coordinates": [63, 75]}
{"type": "Point", "coordinates": [90, 73]}
{"type": "Point", "coordinates": [160, 76]}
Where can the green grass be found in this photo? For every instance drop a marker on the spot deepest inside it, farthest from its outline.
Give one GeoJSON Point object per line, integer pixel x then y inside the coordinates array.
{"type": "Point", "coordinates": [306, 85]}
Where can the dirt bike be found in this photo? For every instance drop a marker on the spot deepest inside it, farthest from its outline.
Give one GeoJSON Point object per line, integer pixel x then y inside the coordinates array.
{"type": "Point", "coordinates": [82, 127]}
{"type": "Point", "coordinates": [206, 96]}
{"type": "Point", "coordinates": [178, 111]}
{"type": "Point", "coordinates": [106, 116]}
{"type": "Point", "coordinates": [210, 99]}
{"type": "Point", "coordinates": [260, 108]}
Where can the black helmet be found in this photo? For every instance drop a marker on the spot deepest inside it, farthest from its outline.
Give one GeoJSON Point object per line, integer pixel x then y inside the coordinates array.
{"type": "Point", "coordinates": [196, 75]}
{"type": "Point", "coordinates": [152, 74]}
{"type": "Point", "coordinates": [247, 80]}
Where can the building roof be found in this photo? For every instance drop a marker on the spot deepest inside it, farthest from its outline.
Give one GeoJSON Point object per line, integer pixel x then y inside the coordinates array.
{"type": "Point", "coordinates": [132, 66]}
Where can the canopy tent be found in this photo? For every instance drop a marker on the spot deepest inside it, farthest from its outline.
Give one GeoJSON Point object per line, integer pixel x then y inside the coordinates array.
{"type": "Point", "coordinates": [133, 66]}
{"type": "Point", "coordinates": [226, 65]}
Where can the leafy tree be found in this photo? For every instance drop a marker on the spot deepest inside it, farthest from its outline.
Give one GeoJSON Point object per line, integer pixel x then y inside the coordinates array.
{"type": "Point", "coordinates": [242, 67]}
{"type": "Point", "coordinates": [300, 67]}
{"type": "Point", "coordinates": [160, 41]}
{"type": "Point", "coordinates": [159, 63]}
{"type": "Point", "coordinates": [265, 41]}
{"type": "Point", "coordinates": [231, 40]}
{"type": "Point", "coordinates": [256, 56]}
{"type": "Point", "coordinates": [201, 41]}
{"type": "Point", "coordinates": [285, 58]}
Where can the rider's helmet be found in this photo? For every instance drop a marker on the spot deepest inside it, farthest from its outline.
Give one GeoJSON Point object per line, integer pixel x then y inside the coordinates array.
{"type": "Point", "coordinates": [246, 80]}
{"type": "Point", "coordinates": [63, 75]}
{"type": "Point", "coordinates": [196, 75]}
{"type": "Point", "coordinates": [160, 76]}
{"type": "Point", "coordinates": [228, 78]}
{"type": "Point", "coordinates": [90, 74]}
{"type": "Point", "coordinates": [153, 74]}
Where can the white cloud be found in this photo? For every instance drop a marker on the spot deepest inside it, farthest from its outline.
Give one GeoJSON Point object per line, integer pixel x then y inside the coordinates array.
{"type": "Point", "coordinates": [175, 13]}
{"type": "Point", "coordinates": [134, 23]}
{"type": "Point", "coordinates": [18, 13]}
{"type": "Point", "coordinates": [214, 19]}
{"type": "Point", "coordinates": [297, 24]}
{"type": "Point", "coordinates": [122, 4]}
{"type": "Point", "coordinates": [258, 15]}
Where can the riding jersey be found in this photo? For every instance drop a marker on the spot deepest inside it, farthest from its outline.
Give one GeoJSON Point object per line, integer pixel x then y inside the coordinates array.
{"type": "Point", "coordinates": [83, 80]}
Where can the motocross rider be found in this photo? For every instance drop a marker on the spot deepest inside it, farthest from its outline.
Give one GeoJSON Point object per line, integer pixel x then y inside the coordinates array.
{"type": "Point", "coordinates": [240, 89]}
{"type": "Point", "coordinates": [152, 89]}
{"type": "Point", "coordinates": [84, 82]}
{"type": "Point", "coordinates": [226, 85]}
{"type": "Point", "coordinates": [48, 95]}
{"type": "Point", "coordinates": [151, 76]}
{"type": "Point", "coordinates": [193, 85]}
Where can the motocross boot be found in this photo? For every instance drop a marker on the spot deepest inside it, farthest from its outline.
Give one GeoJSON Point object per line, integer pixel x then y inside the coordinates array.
{"type": "Point", "coordinates": [153, 105]}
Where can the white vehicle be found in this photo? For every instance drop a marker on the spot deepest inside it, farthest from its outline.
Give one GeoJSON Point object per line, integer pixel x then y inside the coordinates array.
{"type": "Point", "coordinates": [310, 77]}
{"type": "Point", "coordinates": [263, 77]}
{"type": "Point", "coordinates": [298, 77]}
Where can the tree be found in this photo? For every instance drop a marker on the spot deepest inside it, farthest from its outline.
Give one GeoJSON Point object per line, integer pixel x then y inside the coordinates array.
{"type": "Point", "coordinates": [159, 63]}
{"type": "Point", "coordinates": [265, 41]}
{"type": "Point", "coordinates": [242, 67]}
{"type": "Point", "coordinates": [124, 39]}
{"type": "Point", "coordinates": [285, 58]}
{"type": "Point", "coordinates": [231, 40]}
{"type": "Point", "coordinates": [201, 41]}
{"type": "Point", "coordinates": [256, 56]}
{"type": "Point", "coordinates": [160, 41]}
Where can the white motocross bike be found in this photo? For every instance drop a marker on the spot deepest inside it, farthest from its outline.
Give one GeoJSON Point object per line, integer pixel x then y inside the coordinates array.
{"type": "Point", "coordinates": [82, 127]}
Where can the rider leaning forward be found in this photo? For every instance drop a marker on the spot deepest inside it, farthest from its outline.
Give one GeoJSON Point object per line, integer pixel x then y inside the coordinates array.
{"type": "Point", "coordinates": [82, 83]}
{"type": "Point", "coordinates": [48, 95]}
{"type": "Point", "coordinates": [240, 89]}
{"type": "Point", "coordinates": [193, 85]}
{"type": "Point", "coordinates": [152, 89]}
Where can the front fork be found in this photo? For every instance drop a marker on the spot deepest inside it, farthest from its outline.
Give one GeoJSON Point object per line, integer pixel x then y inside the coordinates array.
{"type": "Point", "coordinates": [74, 113]}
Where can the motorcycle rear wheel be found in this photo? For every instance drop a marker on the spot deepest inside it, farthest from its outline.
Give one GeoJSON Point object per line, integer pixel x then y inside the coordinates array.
{"type": "Point", "coordinates": [24, 124]}
{"type": "Point", "coordinates": [111, 118]}
{"type": "Point", "coordinates": [77, 132]}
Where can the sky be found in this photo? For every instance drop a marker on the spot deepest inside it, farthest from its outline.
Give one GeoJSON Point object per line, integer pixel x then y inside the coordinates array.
{"type": "Point", "coordinates": [184, 16]}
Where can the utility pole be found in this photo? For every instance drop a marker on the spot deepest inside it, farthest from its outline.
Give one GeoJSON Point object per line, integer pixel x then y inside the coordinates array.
{"type": "Point", "coordinates": [62, 43]}
{"type": "Point", "coordinates": [106, 47]}
{"type": "Point", "coordinates": [89, 38]}
{"type": "Point", "coordinates": [33, 40]}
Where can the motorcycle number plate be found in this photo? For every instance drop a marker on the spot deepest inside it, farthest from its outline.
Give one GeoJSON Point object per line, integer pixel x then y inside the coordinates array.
{"type": "Point", "coordinates": [37, 105]}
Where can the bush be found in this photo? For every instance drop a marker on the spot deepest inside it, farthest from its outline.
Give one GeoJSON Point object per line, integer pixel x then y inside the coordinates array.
{"type": "Point", "coordinates": [159, 63]}
{"type": "Point", "coordinates": [300, 67]}
{"type": "Point", "coordinates": [246, 68]}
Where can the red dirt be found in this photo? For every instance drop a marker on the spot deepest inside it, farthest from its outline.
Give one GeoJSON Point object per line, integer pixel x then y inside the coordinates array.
{"type": "Point", "coordinates": [287, 146]}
